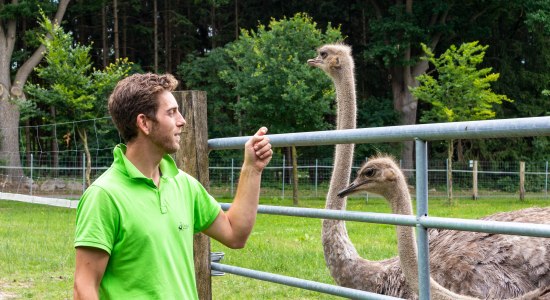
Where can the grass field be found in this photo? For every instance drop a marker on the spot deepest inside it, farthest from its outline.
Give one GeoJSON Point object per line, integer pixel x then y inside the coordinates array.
{"type": "Point", "coordinates": [37, 256]}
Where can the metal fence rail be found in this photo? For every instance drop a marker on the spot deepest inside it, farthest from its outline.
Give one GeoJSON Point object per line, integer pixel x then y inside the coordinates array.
{"type": "Point", "coordinates": [539, 126]}
{"type": "Point", "coordinates": [515, 228]}
{"type": "Point", "coordinates": [300, 283]}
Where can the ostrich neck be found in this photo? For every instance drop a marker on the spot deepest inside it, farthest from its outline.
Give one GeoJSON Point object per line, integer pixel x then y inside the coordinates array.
{"type": "Point", "coordinates": [345, 101]}
{"type": "Point", "coordinates": [343, 154]}
{"type": "Point", "coordinates": [338, 249]}
{"type": "Point", "coordinates": [400, 202]}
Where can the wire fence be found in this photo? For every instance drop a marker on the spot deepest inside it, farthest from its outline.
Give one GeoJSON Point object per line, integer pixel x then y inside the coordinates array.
{"type": "Point", "coordinates": [44, 175]}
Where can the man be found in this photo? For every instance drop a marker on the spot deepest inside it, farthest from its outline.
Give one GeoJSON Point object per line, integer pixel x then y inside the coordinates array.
{"type": "Point", "coordinates": [135, 223]}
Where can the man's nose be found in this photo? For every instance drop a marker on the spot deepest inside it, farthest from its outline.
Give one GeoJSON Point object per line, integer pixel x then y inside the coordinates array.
{"type": "Point", "coordinates": [181, 120]}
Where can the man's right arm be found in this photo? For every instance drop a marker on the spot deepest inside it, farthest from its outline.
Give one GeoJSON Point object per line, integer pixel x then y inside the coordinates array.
{"type": "Point", "coordinates": [90, 266]}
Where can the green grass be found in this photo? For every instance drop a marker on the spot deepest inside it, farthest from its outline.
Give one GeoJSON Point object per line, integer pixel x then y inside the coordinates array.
{"type": "Point", "coordinates": [37, 256]}
{"type": "Point", "coordinates": [36, 253]}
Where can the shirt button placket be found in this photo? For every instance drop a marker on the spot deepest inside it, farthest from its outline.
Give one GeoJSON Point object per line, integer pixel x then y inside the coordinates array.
{"type": "Point", "coordinates": [163, 207]}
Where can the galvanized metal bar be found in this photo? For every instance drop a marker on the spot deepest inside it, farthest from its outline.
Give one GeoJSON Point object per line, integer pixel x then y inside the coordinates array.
{"type": "Point", "coordinates": [422, 211]}
{"type": "Point", "coordinates": [32, 165]}
{"type": "Point", "coordinates": [514, 228]}
{"type": "Point", "coordinates": [546, 180]}
{"type": "Point", "coordinates": [368, 217]}
{"type": "Point", "coordinates": [300, 283]}
{"type": "Point", "coordinates": [536, 126]}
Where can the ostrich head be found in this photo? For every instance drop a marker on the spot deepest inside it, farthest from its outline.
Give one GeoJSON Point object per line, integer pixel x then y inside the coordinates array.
{"type": "Point", "coordinates": [332, 59]}
{"type": "Point", "coordinates": [380, 175]}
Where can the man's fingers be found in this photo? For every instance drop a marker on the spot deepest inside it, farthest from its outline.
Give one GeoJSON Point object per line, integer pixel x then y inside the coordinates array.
{"type": "Point", "coordinates": [263, 150]}
{"type": "Point", "coordinates": [261, 131]}
{"type": "Point", "coordinates": [259, 140]}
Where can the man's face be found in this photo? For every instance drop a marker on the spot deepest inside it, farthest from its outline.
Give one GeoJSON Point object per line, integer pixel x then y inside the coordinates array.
{"type": "Point", "coordinates": [166, 130]}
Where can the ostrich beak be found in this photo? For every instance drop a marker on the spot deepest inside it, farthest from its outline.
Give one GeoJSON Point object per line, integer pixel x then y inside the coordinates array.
{"type": "Point", "coordinates": [314, 62]}
{"type": "Point", "coordinates": [352, 188]}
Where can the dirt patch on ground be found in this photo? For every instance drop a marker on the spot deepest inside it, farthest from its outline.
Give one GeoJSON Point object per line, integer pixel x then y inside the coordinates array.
{"type": "Point", "coordinates": [5, 294]}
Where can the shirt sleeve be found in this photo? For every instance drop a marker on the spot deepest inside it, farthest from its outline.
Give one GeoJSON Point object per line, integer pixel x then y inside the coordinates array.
{"type": "Point", "coordinates": [97, 220]}
{"type": "Point", "coordinates": [206, 208]}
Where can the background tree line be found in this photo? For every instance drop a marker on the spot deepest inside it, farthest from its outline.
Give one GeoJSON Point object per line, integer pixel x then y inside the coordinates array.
{"type": "Point", "coordinates": [204, 44]}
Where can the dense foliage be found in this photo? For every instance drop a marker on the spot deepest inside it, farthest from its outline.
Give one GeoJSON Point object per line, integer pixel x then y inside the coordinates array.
{"type": "Point", "coordinates": [159, 36]}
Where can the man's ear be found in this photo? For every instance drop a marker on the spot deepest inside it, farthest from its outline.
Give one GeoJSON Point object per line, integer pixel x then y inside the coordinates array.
{"type": "Point", "coordinates": [142, 123]}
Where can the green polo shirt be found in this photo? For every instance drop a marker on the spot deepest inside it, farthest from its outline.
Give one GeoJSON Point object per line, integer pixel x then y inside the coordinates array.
{"type": "Point", "coordinates": [147, 231]}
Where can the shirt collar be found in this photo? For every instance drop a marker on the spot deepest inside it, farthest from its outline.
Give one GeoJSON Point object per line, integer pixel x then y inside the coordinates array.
{"type": "Point", "coordinates": [167, 165]}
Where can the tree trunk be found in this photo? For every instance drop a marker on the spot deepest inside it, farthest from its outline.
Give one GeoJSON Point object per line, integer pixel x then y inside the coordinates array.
{"type": "Point", "coordinates": [295, 200]}
{"type": "Point", "coordinates": [167, 37]}
{"type": "Point", "coordinates": [403, 101]}
{"type": "Point", "coordinates": [155, 37]}
{"type": "Point", "coordinates": [115, 29]}
{"type": "Point", "coordinates": [28, 142]}
{"type": "Point", "coordinates": [84, 137]}
{"type": "Point", "coordinates": [475, 191]}
{"type": "Point", "coordinates": [459, 150]}
{"type": "Point", "coordinates": [124, 31]}
{"type": "Point", "coordinates": [236, 19]}
{"type": "Point", "coordinates": [522, 181]}
{"type": "Point", "coordinates": [55, 147]}
{"type": "Point", "coordinates": [403, 75]}
{"type": "Point", "coordinates": [213, 24]}
{"type": "Point", "coordinates": [9, 112]}
{"type": "Point", "coordinates": [104, 35]}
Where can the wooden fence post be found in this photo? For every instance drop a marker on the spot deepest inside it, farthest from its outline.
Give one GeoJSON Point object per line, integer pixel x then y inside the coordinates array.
{"type": "Point", "coordinates": [193, 158]}
{"type": "Point", "coordinates": [521, 180]}
{"type": "Point", "coordinates": [475, 194]}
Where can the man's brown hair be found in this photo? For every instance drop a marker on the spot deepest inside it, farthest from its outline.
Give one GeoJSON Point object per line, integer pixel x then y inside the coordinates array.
{"type": "Point", "coordinates": [134, 95]}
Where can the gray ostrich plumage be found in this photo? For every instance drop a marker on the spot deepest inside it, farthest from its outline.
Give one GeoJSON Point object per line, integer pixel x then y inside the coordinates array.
{"type": "Point", "coordinates": [480, 265]}
{"type": "Point", "coordinates": [386, 276]}
{"type": "Point", "coordinates": [344, 263]}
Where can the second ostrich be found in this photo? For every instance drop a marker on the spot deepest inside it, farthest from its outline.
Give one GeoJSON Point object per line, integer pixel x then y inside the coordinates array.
{"type": "Point", "coordinates": [483, 265]}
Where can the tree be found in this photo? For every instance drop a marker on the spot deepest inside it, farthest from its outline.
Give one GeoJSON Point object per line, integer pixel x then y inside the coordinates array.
{"type": "Point", "coordinates": [266, 73]}
{"type": "Point", "coordinates": [13, 75]}
{"type": "Point", "coordinates": [460, 92]}
{"type": "Point", "coordinates": [70, 84]}
{"type": "Point", "coordinates": [397, 30]}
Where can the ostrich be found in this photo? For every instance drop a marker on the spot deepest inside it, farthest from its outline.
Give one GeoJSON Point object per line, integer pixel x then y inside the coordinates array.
{"type": "Point", "coordinates": [484, 265]}
{"type": "Point", "coordinates": [346, 266]}
{"type": "Point", "coordinates": [344, 263]}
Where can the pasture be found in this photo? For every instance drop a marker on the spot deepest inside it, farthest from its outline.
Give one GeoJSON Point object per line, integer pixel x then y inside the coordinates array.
{"type": "Point", "coordinates": [37, 257]}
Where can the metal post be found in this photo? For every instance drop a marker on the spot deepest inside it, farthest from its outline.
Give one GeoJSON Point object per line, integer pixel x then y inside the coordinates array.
{"type": "Point", "coordinates": [316, 170]}
{"type": "Point", "coordinates": [32, 165]}
{"type": "Point", "coordinates": [421, 211]}
{"type": "Point", "coordinates": [283, 176]}
{"type": "Point", "coordinates": [546, 181]}
{"type": "Point", "coordinates": [447, 177]}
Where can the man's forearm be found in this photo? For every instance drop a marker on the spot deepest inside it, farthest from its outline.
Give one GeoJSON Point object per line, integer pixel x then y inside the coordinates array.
{"type": "Point", "coordinates": [242, 213]}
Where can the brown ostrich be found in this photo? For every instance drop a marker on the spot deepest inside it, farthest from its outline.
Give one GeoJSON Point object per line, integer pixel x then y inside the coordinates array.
{"type": "Point", "coordinates": [481, 265]}
{"type": "Point", "coordinates": [344, 263]}
{"type": "Point", "coordinates": [346, 266]}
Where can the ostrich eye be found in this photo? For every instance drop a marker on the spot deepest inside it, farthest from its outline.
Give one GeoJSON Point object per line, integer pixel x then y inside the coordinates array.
{"type": "Point", "coordinates": [323, 54]}
{"type": "Point", "coordinates": [369, 172]}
